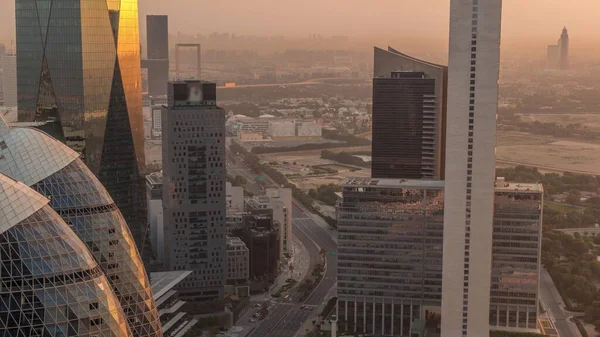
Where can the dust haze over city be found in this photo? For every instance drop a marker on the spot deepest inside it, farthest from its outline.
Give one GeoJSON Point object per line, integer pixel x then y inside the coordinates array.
{"type": "Point", "coordinates": [316, 168]}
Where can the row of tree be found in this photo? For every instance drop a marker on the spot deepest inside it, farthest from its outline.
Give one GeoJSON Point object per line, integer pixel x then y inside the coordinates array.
{"type": "Point", "coordinates": [345, 158]}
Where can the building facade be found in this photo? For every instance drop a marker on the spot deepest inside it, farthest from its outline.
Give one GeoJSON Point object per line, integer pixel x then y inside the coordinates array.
{"type": "Point", "coordinates": [49, 282]}
{"type": "Point", "coordinates": [194, 201]}
{"type": "Point", "coordinates": [279, 200]}
{"type": "Point", "coordinates": [157, 31]}
{"type": "Point", "coordinates": [473, 70]}
{"type": "Point", "coordinates": [516, 255]}
{"type": "Point", "coordinates": [389, 254]}
{"type": "Point", "coordinates": [235, 198]}
{"type": "Point", "coordinates": [9, 79]}
{"type": "Point", "coordinates": [154, 201]}
{"type": "Point", "coordinates": [237, 267]}
{"type": "Point", "coordinates": [563, 44]}
{"type": "Point", "coordinates": [404, 126]}
{"type": "Point", "coordinates": [409, 109]}
{"type": "Point", "coordinates": [55, 171]}
{"type": "Point", "coordinates": [85, 73]}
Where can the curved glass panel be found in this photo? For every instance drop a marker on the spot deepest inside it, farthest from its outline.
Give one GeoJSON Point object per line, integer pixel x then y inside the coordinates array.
{"type": "Point", "coordinates": [72, 187]}
{"type": "Point", "coordinates": [84, 204]}
{"type": "Point", "coordinates": [51, 286]}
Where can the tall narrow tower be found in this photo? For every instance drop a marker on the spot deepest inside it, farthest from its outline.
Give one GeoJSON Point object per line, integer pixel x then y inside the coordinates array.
{"type": "Point", "coordinates": [78, 62]}
{"type": "Point", "coordinates": [563, 44]}
{"type": "Point", "coordinates": [473, 72]}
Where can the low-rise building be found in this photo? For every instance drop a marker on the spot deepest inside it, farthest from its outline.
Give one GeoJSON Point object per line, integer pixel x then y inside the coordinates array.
{"type": "Point", "coordinates": [237, 262]}
{"type": "Point", "coordinates": [175, 322]}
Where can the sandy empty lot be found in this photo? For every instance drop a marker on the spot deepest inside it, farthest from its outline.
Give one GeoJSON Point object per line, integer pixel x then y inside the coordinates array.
{"type": "Point", "coordinates": [545, 152]}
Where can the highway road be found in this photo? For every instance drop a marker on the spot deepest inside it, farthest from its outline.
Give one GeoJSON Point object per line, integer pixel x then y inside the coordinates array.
{"type": "Point", "coordinates": [285, 319]}
{"type": "Point", "coordinates": [554, 306]}
{"type": "Point", "coordinates": [322, 238]}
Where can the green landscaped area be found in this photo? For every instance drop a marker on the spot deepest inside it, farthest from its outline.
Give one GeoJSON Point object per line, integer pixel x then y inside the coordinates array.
{"type": "Point", "coordinates": [558, 207]}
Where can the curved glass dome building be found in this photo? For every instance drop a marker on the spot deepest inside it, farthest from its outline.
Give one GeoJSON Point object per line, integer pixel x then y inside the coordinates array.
{"type": "Point", "coordinates": [55, 171]}
{"type": "Point", "coordinates": [50, 285]}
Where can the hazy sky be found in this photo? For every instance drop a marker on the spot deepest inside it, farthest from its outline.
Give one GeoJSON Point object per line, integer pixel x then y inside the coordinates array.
{"type": "Point", "coordinates": [360, 18]}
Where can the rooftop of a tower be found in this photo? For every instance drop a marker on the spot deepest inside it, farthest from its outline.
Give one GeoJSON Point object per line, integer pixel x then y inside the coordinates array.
{"type": "Point", "coordinates": [504, 186]}
{"type": "Point", "coordinates": [391, 183]}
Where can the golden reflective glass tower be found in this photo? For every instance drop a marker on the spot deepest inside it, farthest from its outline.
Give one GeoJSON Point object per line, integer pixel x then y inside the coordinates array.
{"type": "Point", "coordinates": [79, 64]}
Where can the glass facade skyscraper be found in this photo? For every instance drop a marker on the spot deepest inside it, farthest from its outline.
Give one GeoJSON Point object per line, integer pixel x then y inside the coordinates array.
{"type": "Point", "coordinates": [55, 171]}
{"type": "Point", "coordinates": [516, 255]}
{"type": "Point", "coordinates": [50, 285]}
{"type": "Point", "coordinates": [389, 254]}
{"type": "Point", "coordinates": [409, 116]}
{"type": "Point", "coordinates": [78, 62]}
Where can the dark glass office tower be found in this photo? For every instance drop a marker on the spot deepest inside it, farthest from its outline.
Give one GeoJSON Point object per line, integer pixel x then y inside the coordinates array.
{"type": "Point", "coordinates": [409, 108]}
{"type": "Point", "coordinates": [157, 29]}
{"type": "Point", "coordinates": [404, 132]}
{"type": "Point", "coordinates": [79, 63]}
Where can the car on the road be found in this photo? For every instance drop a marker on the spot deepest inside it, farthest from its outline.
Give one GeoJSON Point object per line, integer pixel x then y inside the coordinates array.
{"type": "Point", "coordinates": [252, 320]}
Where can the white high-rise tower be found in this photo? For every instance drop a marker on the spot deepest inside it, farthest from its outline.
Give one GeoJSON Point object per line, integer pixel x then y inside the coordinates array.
{"type": "Point", "coordinates": [470, 151]}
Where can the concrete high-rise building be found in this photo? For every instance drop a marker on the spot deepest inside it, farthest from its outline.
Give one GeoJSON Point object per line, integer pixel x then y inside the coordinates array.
{"type": "Point", "coordinates": [563, 44]}
{"type": "Point", "coordinates": [85, 72]}
{"type": "Point", "coordinates": [389, 254]}
{"type": "Point", "coordinates": [50, 284]}
{"type": "Point", "coordinates": [54, 170]}
{"type": "Point", "coordinates": [235, 198]}
{"type": "Point", "coordinates": [516, 255]}
{"type": "Point", "coordinates": [157, 31]}
{"type": "Point", "coordinates": [194, 178]}
{"type": "Point", "coordinates": [473, 71]}
{"type": "Point", "coordinates": [9, 79]}
{"type": "Point", "coordinates": [409, 108]}
{"type": "Point", "coordinates": [279, 200]}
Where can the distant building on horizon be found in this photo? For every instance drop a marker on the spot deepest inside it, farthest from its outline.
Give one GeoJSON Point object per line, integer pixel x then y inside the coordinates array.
{"type": "Point", "coordinates": [9, 79]}
{"type": "Point", "coordinates": [194, 196]}
{"type": "Point", "coordinates": [157, 62]}
{"type": "Point", "coordinates": [409, 112]}
{"type": "Point", "coordinates": [557, 56]}
{"type": "Point", "coordinates": [564, 49]}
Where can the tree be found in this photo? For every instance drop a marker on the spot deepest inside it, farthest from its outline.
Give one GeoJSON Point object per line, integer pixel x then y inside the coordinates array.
{"type": "Point", "coordinates": [574, 197]}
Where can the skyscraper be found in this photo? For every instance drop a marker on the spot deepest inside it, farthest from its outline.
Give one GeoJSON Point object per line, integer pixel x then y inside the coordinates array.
{"type": "Point", "coordinates": [157, 31]}
{"type": "Point", "coordinates": [389, 254]}
{"type": "Point", "coordinates": [409, 108]}
{"type": "Point", "coordinates": [516, 256]}
{"type": "Point", "coordinates": [194, 177]}
{"type": "Point", "coordinates": [50, 285]}
{"type": "Point", "coordinates": [55, 171]}
{"type": "Point", "coordinates": [473, 71]}
{"type": "Point", "coordinates": [85, 72]}
{"type": "Point", "coordinates": [563, 44]}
